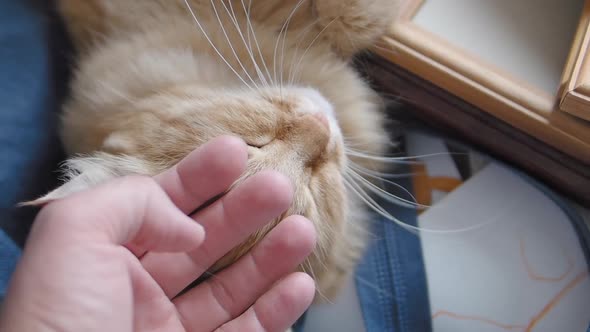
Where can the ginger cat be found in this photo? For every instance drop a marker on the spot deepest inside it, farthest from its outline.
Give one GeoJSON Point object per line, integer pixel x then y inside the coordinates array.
{"type": "Point", "coordinates": [157, 78]}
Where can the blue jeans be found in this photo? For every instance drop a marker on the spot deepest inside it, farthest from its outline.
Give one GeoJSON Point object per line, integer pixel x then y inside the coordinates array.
{"type": "Point", "coordinates": [32, 81]}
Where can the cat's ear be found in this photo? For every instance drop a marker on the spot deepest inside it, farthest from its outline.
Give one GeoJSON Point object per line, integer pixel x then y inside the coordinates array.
{"type": "Point", "coordinates": [85, 172]}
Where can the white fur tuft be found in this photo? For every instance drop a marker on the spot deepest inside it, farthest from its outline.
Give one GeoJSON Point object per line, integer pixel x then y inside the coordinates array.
{"type": "Point", "coordinates": [82, 173]}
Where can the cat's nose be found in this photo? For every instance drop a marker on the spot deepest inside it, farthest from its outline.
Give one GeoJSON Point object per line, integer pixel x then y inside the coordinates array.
{"type": "Point", "coordinates": [308, 135]}
{"type": "Point", "coordinates": [322, 119]}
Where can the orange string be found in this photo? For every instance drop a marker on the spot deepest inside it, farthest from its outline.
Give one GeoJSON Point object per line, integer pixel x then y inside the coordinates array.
{"type": "Point", "coordinates": [507, 327]}
{"type": "Point", "coordinates": [534, 276]}
{"type": "Point", "coordinates": [555, 300]}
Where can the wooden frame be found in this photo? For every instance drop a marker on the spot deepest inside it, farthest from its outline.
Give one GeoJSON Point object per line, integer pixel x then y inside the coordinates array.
{"type": "Point", "coordinates": [575, 96]}
{"type": "Point", "coordinates": [489, 88]}
{"type": "Point", "coordinates": [431, 107]}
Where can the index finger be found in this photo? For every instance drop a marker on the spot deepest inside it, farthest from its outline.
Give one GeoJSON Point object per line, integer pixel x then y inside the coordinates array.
{"type": "Point", "coordinates": [205, 173]}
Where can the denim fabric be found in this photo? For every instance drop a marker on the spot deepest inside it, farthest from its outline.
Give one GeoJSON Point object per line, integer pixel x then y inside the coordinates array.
{"type": "Point", "coordinates": [300, 324]}
{"type": "Point", "coordinates": [391, 281]}
{"type": "Point", "coordinates": [9, 255]}
{"type": "Point", "coordinates": [29, 147]}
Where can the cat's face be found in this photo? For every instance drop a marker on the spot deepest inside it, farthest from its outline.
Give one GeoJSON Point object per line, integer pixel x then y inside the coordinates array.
{"type": "Point", "coordinates": [291, 130]}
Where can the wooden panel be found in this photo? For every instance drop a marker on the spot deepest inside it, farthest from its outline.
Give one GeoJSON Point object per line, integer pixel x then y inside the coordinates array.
{"type": "Point", "coordinates": [451, 115]}
{"type": "Point", "coordinates": [491, 90]}
{"type": "Point", "coordinates": [576, 95]}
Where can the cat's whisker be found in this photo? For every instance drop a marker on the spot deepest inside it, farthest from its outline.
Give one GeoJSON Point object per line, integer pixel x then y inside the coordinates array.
{"type": "Point", "coordinates": [314, 277]}
{"type": "Point", "coordinates": [286, 33]}
{"type": "Point", "coordinates": [231, 46]}
{"type": "Point", "coordinates": [191, 11]}
{"type": "Point", "coordinates": [247, 11]}
{"type": "Point", "coordinates": [313, 42]}
{"type": "Point", "coordinates": [361, 148]}
{"type": "Point", "coordinates": [356, 188]}
{"type": "Point", "coordinates": [251, 28]}
{"type": "Point", "coordinates": [412, 204]}
{"type": "Point", "coordinates": [358, 143]}
{"type": "Point", "coordinates": [299, 38]}
{"type": "Point", "coordinates": [281, 32]}
{"type": "Point", "coordinates": [399, 160]}
{"type": "Point", "coordinates": [379, 290]}
{"type": "Point", "coordinates": [232, 15]}
{"type": "Point", "coordinates": [381, 175]}
{"type": "Point", "coordinates": [370, 202]}
{"type": "Point", "coordinates": [319, 254]}
{"type": "Point", "coordinates": [118, 92]}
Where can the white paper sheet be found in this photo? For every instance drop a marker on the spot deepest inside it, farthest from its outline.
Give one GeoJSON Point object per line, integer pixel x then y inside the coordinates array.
{"type": "Point", "coordinates": [523, 270]}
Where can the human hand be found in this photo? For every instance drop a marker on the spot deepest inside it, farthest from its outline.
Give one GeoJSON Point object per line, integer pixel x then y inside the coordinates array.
{"type": "Point", "coordinates": [115, 258]}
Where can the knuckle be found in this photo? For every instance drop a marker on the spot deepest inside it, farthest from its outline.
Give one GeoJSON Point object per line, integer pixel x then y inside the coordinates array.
{"type": "Point", "coordinates": [144, 186]}
{"type": "Point", "coordinates": [223, 328]}
{"type": "Point", "coordinates": [58, 210]}
{"type": "Point", "coordinates": [57, 214]}
{"type": "Point", "coordinates": [223, 296]}
{"type": "Point", "coordinates": [140, 183]}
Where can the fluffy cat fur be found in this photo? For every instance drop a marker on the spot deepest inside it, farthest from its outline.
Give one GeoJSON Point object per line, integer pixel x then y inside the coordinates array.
{"type": "Point", "coordinates": [149, 87]}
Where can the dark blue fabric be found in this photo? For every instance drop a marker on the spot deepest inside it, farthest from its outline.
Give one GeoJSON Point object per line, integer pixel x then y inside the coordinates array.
{"type": "Point", "coordinates": [9, 255]}
{"type": "Point", "coordinates": [391, 281]}
{"type": "Point", "coordinates": [32, 81]}
{"type": "Point", "coordinates": [299, 324]}
{"type": "Point", "coordinates": [29, 94]}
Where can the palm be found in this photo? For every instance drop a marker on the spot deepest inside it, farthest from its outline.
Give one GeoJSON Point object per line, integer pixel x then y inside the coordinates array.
{"type": "Point", "coordinates": [228, 222]}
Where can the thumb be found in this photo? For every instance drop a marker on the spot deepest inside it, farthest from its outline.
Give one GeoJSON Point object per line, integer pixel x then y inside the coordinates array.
{"type": "Point", "coordinates": [132, 211]}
